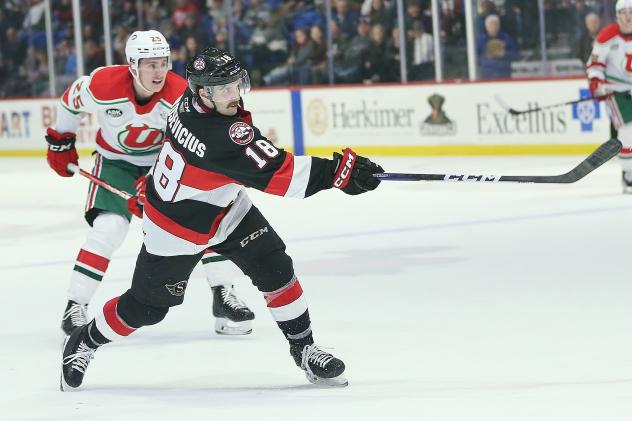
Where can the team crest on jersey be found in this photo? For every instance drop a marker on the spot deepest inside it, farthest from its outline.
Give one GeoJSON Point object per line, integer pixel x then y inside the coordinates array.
{"type": "Point", "coordinates": [241, 133]}
{"type": "Point", "coordinates": [177, 289]}
{"type": "Point", "coordinates": [140, 140]}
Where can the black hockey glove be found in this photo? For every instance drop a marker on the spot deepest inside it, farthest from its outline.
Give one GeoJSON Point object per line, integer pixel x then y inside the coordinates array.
{"type": "Point", "coordinates": [354, 174]}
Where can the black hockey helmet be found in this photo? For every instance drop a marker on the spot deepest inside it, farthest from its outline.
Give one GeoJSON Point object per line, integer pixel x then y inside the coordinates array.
{"type": "Point", "coordinates": [217, 72]}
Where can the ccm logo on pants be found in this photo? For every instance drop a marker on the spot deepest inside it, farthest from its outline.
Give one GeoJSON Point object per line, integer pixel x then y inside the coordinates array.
{"type": "Point", "coordinates": [253, 236]}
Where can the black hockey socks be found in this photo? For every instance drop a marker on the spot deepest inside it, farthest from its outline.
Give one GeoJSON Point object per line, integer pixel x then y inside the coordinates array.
{"type": "Point", "coordinates": [289, 308]}
{"type": "Point", "coordinates": [93, 338]}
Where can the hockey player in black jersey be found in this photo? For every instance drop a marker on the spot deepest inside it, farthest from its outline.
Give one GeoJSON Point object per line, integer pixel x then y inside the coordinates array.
{"type": "Point", "coordinates": [196, 199]}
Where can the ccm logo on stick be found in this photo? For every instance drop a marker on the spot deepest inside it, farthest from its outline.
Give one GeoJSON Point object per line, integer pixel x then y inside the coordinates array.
{"type": "Point", "coordinates": [344, 173]}
{"type": "Point", "coordinates": [253, 236]}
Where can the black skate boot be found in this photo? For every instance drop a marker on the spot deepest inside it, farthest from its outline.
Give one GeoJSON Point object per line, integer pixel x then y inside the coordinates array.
{"type": "Point", "coordinates": [626, 181]}
{"type": "Point", "coordinates": [75, 359]}
{"type": "Point", "coordinates": [320, 367]}
{"type": "Point", "coordinates": [75, 316]}
{"type": "Point", "coordinates": [232, 316]}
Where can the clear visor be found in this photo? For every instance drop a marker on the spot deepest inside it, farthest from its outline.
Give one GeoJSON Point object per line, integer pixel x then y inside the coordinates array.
{"type": "Point", "coordinates": [229, 92]}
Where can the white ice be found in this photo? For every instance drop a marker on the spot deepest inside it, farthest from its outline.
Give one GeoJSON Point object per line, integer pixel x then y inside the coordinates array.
{"type": "Point", "coordinates": [446, 301]}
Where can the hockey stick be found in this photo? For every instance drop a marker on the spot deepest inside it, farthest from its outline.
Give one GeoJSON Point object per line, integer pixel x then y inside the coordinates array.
{"type": "Point", "coordinates": [513, 111]}
{"type": "Point", "coordinates": [601, 155]}
{"type": "Point", "coordinates": [96, 180]}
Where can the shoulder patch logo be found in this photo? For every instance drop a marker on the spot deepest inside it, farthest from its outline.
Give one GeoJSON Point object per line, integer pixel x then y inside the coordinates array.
{"type": "Point", "coordinates": [177, 289]}
{"type": "Point", "coordinates": [114, 112]}
{"type": "Point", "coordinates": [241, 133]}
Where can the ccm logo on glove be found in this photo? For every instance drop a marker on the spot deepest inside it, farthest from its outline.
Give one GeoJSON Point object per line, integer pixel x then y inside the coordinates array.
{"type": "Point", "coordinates": [342, 177]}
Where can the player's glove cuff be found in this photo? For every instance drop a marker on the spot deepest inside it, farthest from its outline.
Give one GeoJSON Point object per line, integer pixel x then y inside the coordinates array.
{"type": "Point", "coordinates": [354, 174]}
{"type": "Point", "coordinates": [60, 142]}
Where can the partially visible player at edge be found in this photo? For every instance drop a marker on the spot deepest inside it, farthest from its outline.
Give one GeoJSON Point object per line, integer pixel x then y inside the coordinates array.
{"type": "Point", "coordinates": [196, 199]}
{"type": "Point", "coordinates": [609, 69]}
{"type": "Point", "coordinates": [131, 104]}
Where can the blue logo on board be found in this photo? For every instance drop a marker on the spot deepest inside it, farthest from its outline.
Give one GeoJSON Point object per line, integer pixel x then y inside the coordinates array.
{"type": "Point", "coordinates": [586, 112]}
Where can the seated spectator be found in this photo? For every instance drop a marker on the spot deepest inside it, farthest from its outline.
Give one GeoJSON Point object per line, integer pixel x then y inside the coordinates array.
{"type": "Point", "coordinates": [94, 56]}
{"type": "Point", "coordinates": [126, 17]}
{"type": "Point", "coordinates": [375, 61]}
{"type": "Point", "coordinates": [181, 10]}
{"type": "Point", "coordinates": [258, 13]}
{"type": "Point", "coordinates": [319, 57]}
{"type": "Point", "coordinates": [13, 51]}
{"type": "Point", "coordinates": [221, 40]}
{"type": "Point", "coordinates": [495, 50]}
{"type": "Point", "coordinates": [190, 28]}
{"type": "Point", "coordinates": [187, 51]}
{"type": "Point", "coordinates": [297, 68]}
{"type": "Point", "coordinates": [155, 14]}
{"type": "Point", "coordinates": [350, 69]}
{"type": "Point", "coordinates": [36, 71]}
{"type": "Point", "coordinates": [422, 53]}
{"type": "Point", "coordinates": [63, 12]}
{"type": "Point", "coordinates": [414, 14]}
{"type": "Point", "coordinates": [393, 67]}
{"type": "Point", "coordinates": [266, 48]}
{"type": "Point", "coordinates": [346, 18]}
{"type": "Point", "coordinates": [591, 30]}
{"type": "Point", "coordinates": [300, 14]}
{"type": "Point", "coordinates": [377, 12]}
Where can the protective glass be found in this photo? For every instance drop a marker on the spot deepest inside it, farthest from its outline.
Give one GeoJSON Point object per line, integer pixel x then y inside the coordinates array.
{"type": "Point", "coordinates": [231, 91]}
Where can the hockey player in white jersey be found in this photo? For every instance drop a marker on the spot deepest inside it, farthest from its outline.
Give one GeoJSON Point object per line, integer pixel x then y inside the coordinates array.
{"type": "Point", "coordinates": [131, 103]}
{"type": "Point", "coordinates": [609, 70]}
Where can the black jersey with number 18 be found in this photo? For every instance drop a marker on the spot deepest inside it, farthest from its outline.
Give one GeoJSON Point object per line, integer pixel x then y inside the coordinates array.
{"type": "Point", "coordinates": [195, 190]}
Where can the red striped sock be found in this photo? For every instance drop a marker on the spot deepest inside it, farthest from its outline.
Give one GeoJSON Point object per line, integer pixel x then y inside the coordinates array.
{"type": "Point", "coordinates": [91, 264]}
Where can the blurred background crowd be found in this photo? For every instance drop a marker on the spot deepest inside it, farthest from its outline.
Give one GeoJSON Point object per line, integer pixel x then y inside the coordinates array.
{"type": "Point", "coordinates": [285, 42]}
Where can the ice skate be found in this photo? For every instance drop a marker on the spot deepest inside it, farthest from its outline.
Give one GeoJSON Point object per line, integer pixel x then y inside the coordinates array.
{"type": "Point", "coordinates": [75, 359]}
{"type": "Point", "coordinates": [320, 367]}
{"type": "Point", "coordinates": [626, 181]}
{"type": "Point", "coordinates": [75, 316]}
{"type": "Point", "coordinates": [232, 316]}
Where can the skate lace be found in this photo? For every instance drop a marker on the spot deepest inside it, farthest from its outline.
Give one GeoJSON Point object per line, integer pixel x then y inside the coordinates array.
{"type": "Point", "coordinates": [81, 358]}
{"type": "Point", "coordinates": [77, 314]}
{"type": "Point", "coordinates": [315, 355]}
{"type": "Point", "coordinates": [231, 300]}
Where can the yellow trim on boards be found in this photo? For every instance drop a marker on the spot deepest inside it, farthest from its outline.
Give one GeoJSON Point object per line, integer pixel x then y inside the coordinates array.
{"type": "Point", "coordinates": [427, 150]}
{"type": "Point", "coordinates": [460, 150]}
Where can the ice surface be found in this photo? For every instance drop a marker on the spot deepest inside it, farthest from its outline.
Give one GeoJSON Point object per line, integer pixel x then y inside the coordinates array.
{"type": "Point", "coordinates": [446, 302]}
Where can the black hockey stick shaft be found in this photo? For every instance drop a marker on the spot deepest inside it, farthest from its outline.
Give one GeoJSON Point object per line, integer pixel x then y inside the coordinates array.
{"type": "Point", "coordinates": [601, 155]}
{"type": "Point", "coordinates": [513, 111]}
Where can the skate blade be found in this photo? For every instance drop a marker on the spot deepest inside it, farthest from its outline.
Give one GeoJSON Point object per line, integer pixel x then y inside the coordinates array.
{"type": "Point", "coordinates": [627, 189]}
{"type": "Point", "coordinates": [228, 327]}
{"type": "Point", "coordinates": [63, 386]}
{"type": "Point", "coordinates": [338, 381]}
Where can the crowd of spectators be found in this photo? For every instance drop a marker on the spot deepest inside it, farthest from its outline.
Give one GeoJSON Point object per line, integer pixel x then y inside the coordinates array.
{"type": "Point", "coordinates": [284, 42]}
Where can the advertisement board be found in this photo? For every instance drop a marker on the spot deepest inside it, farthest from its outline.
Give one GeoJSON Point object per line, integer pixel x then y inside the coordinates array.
{"type": "Point", "coordinates": [405, 119]}
{"type": "Point", "coordinates": [418, 119]}
{"type": "Point", "coordinates": [23, 122]}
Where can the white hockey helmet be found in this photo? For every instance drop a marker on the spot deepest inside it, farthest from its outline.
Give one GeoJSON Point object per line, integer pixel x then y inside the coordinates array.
{"type": "Point", "coordinates": [146, 44]}
{"type": "Point", "coordinates": [623, 4]}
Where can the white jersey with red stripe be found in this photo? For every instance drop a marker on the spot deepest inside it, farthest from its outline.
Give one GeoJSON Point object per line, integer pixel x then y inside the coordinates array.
{"type": "Point", "coordinates": [611, 58]}
{"type": "Point", "coordinates": [128, 131]}
{"type": "Point", "coordinates": [195, 191]}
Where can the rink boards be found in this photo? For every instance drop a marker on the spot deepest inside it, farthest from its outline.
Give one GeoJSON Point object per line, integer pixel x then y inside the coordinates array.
{"type": "Point", "coordinates": [418, 119]}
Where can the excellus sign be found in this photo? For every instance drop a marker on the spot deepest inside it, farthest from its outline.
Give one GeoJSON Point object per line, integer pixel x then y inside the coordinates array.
{"type": "Point", "coordinates": [452, 114]}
